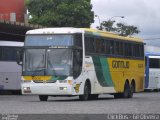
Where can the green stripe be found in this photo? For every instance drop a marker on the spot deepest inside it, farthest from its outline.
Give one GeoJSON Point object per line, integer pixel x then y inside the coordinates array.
{"type": "Point", "coordinates": [102, 71]}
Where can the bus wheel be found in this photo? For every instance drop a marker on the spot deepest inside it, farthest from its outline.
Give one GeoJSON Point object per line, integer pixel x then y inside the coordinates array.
{"type": "Point", "coordinates": [117, 95]}
{"type": "Point", "coordinates": [131, 91]}
{"type": "Point", "coordinates": [126, 91]}
{"type": "Point", "coordinates": [86, 94]}
{"type": "Point", "coordinates": [93, 96]}
{"type": "Point", "coordinates": [43, 97]}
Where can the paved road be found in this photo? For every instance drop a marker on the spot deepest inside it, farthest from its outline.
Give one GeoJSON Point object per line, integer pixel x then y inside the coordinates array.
{"type": "Point", "coordinates": [141, 103]}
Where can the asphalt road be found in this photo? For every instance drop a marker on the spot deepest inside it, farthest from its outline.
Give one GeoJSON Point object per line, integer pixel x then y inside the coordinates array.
{"type": "Point", "coordinates": [141, 103]}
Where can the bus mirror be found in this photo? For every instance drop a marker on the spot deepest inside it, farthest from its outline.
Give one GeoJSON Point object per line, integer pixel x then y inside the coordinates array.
{"type": "Point", "coordinates": [19, 57]}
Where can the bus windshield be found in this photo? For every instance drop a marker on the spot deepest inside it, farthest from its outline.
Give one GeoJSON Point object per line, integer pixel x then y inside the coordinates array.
{"type": "Point", "coordinates": [55, 62]}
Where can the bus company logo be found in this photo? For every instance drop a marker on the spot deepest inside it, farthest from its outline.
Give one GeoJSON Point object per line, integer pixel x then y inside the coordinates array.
{"type": "Point", "coordinates": [77, 88]}
{"type": "Point", "coordinates": [120, 64]}
{"type": "Point", "coordinates": [36, 78]}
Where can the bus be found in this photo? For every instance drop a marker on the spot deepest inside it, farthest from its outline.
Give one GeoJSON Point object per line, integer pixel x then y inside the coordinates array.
{"type": "Point", "coordinates": [81, 62]}
{"type": "Point", "coordinates": [152, 71]}
{"type": "Point", "coordinates": [10, 71]}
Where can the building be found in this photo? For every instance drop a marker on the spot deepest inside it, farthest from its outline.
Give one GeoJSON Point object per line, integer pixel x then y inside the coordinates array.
{"type": "Point", "coordinates": [12, 10]}
{"type": "Point", "coordinates": [12, 20]}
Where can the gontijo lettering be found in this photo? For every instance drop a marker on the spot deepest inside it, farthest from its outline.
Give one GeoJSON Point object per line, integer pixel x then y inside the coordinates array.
{"type": "Point", "coordinates": [120, 64]}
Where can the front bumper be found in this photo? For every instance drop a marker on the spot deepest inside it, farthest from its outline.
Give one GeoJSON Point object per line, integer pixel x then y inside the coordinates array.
{"type": "Point", "coordinates": [46, 89]}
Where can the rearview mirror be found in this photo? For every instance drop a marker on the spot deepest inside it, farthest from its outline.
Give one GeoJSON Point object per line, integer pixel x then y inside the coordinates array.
{"type": "Point", "coordinates": [19, 57]}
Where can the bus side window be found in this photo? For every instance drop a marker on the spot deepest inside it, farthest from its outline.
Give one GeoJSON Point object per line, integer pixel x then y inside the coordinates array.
{"type": "Point", "coordinates": [9, 54]}
{"type": "Point", "coordinates": [141, 50]}
{"type": "Point", "coordinates": [128, 50]}
{"type": "Point", "coordinates": [111, 47]}
{"type": "Point", "coordinates": [107, 46]}
{"type": "Point", "coordinates": [86, 44]}
{"type": "Point", "coordinates": [146, 59]}
{"type": "Point", "coordinates": [19, 55]}
{"type": "Point", "coordinates": [121, 48]}
{"type": "Point", "coordinates": [1, 53]}
{"type": "Point", "coordinates": [99, 45]}
{"type": "Point", "coordinates": [77, 63]}
{"type": "Point", "coordinates": [137, 50]}
{"type": "Point", "coordinates": [89, 45]}
{"type": "Point", "coordinates": [78, 40]}
{"type": "Point", "coordinates": [116, 48]}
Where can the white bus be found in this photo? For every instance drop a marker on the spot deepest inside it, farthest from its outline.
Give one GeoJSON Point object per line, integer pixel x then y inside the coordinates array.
{"type": "Point", "coordinates": [10, 71]}
{"type": "Point", "coordinates": [83, 62]}
{"type": "Point", "coordinates": [152, 71]}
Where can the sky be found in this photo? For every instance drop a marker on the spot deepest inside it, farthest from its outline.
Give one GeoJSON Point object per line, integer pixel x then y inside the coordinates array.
{"type": "Point", "coordinates": [145, 14]}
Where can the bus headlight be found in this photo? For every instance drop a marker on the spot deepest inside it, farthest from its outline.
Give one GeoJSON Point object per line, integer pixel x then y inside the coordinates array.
{"type": "Point", "coordinates": [63, 88]}
{"type": "Point", "coordinates": [26, 90]}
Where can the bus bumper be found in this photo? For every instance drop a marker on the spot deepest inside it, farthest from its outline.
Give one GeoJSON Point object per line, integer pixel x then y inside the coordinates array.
{"type": "Point", "coordinates": [46, 89]}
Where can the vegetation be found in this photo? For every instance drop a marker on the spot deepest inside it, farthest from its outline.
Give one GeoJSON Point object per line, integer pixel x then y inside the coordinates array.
{"type": "Point", "coordinates": [121, 28]}
{"type": "Point", "coordinates": [61, 13]}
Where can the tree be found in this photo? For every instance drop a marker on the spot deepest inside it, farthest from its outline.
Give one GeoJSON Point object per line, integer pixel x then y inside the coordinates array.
{"type": "Point", "coordinates": [108, 25]}
{"type": "Point", "coordinates": [126, 30]}
{"type": "Point", "coordinates": [61, 13]}
{"type": "Point", "coordinates": [121, 28]}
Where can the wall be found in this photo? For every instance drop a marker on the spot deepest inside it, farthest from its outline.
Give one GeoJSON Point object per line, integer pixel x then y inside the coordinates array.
{"type": "Point", "coordinates": [12, 10]}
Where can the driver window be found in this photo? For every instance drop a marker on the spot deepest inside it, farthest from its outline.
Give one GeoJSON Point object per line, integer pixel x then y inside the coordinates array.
{"type": "Point", "coordinates": [77, 63]}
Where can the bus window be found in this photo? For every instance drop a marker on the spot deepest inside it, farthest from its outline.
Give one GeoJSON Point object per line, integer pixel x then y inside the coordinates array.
{"type": "Point", "coordinates": [77, 63]}
{"type": "Point", "coordinates": [154, 63]}
{"type": "Point", "coordinates": [107, 46]}
{"type": "Point", "coordinates": [121, 48]}
{"type": "Point", "coordinates": [128, 50]}
{"type": "Point", "coordinates": [116, 48]}
{"type": "Point", "coordinates": [78, 40]}
{"type": "Point", "coordinates": [111, 47]}
{"type": "Point", "coordinates": [9, 54]}
{"type": "Point", "coordinates": [0, 53]}
{"type": "Point", "coordinates": [89, 45]}
{"type": "Point", "coordinates": [141, 50]}
{"type": "Point", "coordinates": [146, 59]}
{"type": "Point", "coordinates": [99, 45]}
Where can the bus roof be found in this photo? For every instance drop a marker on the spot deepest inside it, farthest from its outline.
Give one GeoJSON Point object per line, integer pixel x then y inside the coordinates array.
{"type": "Point", "coordinates": [152, 53]}
{"type": "Point", "coordinates": [11, 43]}
{"type": "Point", "coordinates": [65, 30]}
{"type": "Point", "coordinates": [112, 35]}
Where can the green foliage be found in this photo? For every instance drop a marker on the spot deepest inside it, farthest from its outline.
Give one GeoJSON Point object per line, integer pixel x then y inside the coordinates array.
{"type": "Point", "coordinates": [61, 13]}
{"type": "Point", "coordinates": [126, 30]}
{"type": "Point", "coordinates": [120, 28]}
{"type": "Point", "coordinates": [108, 25]}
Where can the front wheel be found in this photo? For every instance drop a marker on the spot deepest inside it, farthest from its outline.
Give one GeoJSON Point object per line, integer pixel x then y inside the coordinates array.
{"type": "Point", "coordinates": [86, 93]}
{"type": "Point", "coordinates": [93, 96]}
{"type": "Point", "coordinates": [43, 97]}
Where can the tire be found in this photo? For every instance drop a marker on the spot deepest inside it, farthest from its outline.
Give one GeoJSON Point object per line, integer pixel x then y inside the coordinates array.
{"type": "Point", "coordinates": [156, 90]}
{"type": "Point", "coordinates": [43, 97]}
{"type": "Point", "coordinates": [86, 94]}
{"type": "Point", "coordinates": [126, 91]}
{"type": "Point", "coordinates": [131, 90]}
{"type": "Point", "coordinates": [93, 96]}
{"type": "Point", "coordinates": [117, 95]}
